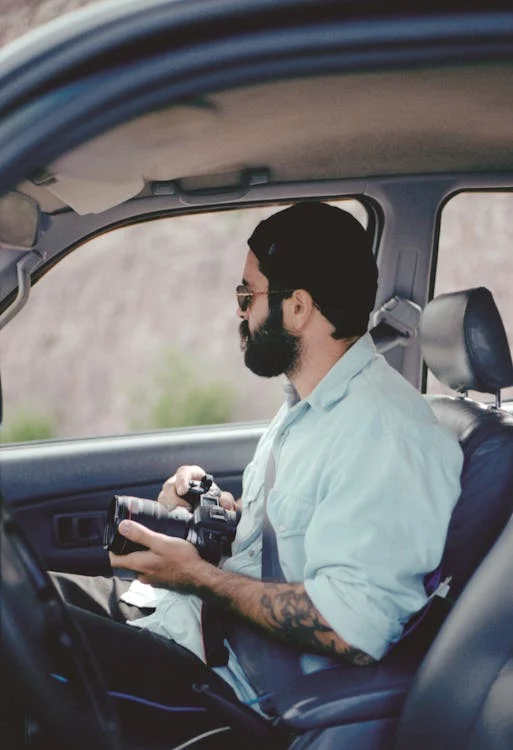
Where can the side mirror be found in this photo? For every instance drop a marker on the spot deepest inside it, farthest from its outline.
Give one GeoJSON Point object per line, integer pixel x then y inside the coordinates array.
{"type": "Point", "coordinates": [20, 218]}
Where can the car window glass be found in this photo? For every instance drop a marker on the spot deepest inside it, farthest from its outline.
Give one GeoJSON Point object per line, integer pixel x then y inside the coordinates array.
{"type": "Point", "coordinates": [137, 330]}
{"type": "Point", "coordinates": [475, 249]}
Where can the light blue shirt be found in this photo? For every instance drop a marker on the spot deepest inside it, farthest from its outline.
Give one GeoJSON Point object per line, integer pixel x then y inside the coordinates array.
{"type": "Point", "coordinates": [366, 480]}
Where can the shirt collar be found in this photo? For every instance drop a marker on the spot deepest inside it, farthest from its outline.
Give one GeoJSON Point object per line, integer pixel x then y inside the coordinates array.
{"type": "Point", "coordinates": [291, 395]}
{"type": "Point", "coordinates": [334, 384]}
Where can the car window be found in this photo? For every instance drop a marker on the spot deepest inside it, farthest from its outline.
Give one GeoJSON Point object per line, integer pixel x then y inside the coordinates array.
{"type": "Point", "coordinates": [137, 330]}
{"type": "Point", "coordinates": [476, 249]}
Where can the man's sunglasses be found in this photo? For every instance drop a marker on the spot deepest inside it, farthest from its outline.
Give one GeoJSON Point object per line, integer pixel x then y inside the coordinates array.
{"type": "Point", "coordinates": [244, 296]}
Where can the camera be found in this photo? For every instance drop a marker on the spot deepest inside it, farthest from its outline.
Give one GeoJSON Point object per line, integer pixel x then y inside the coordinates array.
{"type": "Point", "coordinates": [209, 526]}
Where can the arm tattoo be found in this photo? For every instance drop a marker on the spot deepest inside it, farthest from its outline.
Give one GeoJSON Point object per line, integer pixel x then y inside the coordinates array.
{"type": "Point", "coordinates": [292, 616]}
{"type": "Point", "coordinates": [282, 609]}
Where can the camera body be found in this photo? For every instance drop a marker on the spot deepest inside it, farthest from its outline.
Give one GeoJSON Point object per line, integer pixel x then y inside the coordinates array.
{"type": "Point", "coordinates": [209, 526]}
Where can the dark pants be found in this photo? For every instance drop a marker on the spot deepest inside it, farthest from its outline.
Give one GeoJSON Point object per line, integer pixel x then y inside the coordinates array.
{"type": "Point", "coordinates": [149, 668]}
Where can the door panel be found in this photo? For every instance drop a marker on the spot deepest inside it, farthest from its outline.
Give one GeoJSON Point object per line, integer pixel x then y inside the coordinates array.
{"type": "Point", "coordinates": [60, 490]}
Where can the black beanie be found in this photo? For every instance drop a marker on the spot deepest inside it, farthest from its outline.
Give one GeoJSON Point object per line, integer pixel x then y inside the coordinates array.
{"type": "Point", "coordinates": [325, 250]}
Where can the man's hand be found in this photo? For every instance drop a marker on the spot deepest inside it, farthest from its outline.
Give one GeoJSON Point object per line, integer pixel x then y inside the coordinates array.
{"type": "Point", "coordinates": [168, 562]}
{"type": "Point", "coordinates": [176, 486]}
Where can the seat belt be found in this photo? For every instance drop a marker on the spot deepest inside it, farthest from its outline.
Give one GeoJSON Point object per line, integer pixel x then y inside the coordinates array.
{"type": "Point", "coordinates": [271, 567]}
{"type": "Point", "coordinates": [269, 664]}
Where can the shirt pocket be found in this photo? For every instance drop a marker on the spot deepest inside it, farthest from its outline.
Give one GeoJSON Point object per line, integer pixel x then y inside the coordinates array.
{"type": "Point", "coordinates": [289, 513]}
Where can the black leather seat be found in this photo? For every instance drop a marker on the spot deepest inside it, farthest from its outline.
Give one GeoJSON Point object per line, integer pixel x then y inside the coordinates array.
{"type": "Point", "coordinates": [465, 345]}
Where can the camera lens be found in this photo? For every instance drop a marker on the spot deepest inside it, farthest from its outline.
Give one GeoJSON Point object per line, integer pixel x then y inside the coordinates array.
{"type": "Point", "coordinates": [149, 513]}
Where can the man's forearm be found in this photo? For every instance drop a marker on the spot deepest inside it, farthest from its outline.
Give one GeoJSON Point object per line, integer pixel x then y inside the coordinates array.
{"type": "Point", "coordinates": [282, 609]}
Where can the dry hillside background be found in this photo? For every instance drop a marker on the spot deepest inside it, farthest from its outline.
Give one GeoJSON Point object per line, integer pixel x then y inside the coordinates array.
{"type": "Point", "coordinates": [20, 16]}
{"type": "Point", "coordinates": [137, 329]}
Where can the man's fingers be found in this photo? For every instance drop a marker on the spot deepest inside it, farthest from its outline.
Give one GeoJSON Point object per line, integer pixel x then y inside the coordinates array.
{"type": "Point", "coordinates": [136, 532]}
{"type": "Point", "coordinates": [227, 500]}
{"type": "Point", "coordinates": [139, 534]}
{"type": "Point", "coordinates": [176, 486]}
{"type": "Point", "coordinates": [167, 560]}
{"type": "Point", "coordinates": [169, 498]}
{"type": "Point", "coordinates": [184, 475]}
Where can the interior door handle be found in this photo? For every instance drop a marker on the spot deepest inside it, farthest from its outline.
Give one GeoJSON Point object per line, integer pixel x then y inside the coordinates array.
{"type": "Point", "coordinates": [79, 529]}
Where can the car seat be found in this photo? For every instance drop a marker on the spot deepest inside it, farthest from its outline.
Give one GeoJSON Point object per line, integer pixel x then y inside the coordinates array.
{"type": "Point", "coordinates": [464, 344]}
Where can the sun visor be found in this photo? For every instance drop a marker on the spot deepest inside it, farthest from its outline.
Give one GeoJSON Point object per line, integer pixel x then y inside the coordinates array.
{"type": "Point", "coordinates": [112, 167]}
{"type": "Point", "coordinates": [92, 197]}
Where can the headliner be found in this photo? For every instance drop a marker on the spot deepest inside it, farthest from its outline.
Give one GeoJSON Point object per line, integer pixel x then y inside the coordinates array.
{"type": "Point", "coordinates": [360, 125]}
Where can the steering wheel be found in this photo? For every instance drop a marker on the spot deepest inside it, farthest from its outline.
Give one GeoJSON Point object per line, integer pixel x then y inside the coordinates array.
{"type": "Point", "coordinates": [61, 683]}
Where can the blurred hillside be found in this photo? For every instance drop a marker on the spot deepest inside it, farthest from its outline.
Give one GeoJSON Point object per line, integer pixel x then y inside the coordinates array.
{"type": "Point", "coordinates": [128, 312]}
{"type": "Point", "coordinates": [20, 16]}
{"type": "Point", "coordinates": [138, 328]}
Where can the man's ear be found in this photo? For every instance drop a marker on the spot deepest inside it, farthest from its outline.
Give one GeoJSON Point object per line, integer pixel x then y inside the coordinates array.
{"type": "Point", "coordinates": [297, 310]}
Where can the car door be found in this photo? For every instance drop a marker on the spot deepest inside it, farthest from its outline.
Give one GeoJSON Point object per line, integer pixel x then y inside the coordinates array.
{"type": "Point", "coordinates": [61, 491]}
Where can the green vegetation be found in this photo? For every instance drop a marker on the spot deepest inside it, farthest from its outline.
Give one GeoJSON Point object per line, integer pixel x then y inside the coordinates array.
{"type": "Point", "coordinates": [26, 425]}
{"type": "Point", "coordinates": [180, 396]}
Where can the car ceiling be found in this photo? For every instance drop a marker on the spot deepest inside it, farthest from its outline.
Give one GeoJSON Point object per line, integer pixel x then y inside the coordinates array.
{"type": "Point", "coordinates": [357, 125]}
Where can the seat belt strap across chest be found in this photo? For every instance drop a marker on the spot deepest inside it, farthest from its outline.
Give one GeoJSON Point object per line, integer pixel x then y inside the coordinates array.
{"type": "Point", "coordinates": [271, 567]}
{"type": "Point", "coordinates": [269, 664]}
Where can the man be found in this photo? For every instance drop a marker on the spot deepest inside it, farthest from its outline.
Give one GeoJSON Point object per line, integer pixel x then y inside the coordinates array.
{"type": "Point", "coordinates": [364, 483]}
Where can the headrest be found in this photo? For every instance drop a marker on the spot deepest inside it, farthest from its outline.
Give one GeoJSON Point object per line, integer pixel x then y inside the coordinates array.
{"type": "Point", "coordinates": [464, 343]}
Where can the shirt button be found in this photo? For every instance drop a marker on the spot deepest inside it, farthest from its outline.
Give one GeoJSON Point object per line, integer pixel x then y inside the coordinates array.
{"type": "Point", "coordinates": [282, 528]}
{"type": "Point", "coordinates": [251, 553]}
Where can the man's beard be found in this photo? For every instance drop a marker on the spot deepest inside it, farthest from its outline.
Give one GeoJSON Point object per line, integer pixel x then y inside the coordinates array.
{"type": "Point", "coordinates": [270, 350]}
